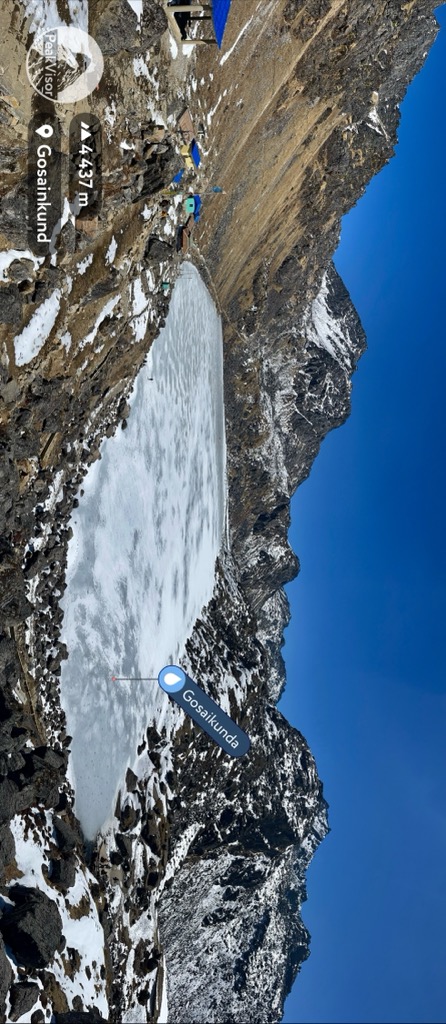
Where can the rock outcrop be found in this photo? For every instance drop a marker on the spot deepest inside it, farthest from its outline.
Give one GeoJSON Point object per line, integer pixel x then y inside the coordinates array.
{"type": "Point", "coordinates": [33, 927]}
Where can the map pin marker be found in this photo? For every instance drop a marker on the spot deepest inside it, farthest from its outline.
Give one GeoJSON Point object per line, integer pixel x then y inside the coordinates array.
{"type": "Point", "coordinates": [204, 711]}
{"type": "Point", "coordinates": [172, 679]}
{"type": "Point", "coordinates": [45, 130]}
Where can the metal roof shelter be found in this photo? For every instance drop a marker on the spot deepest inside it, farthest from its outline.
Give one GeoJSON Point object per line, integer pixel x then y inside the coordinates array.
{"type": "Point", "coordinates": [218, 11]}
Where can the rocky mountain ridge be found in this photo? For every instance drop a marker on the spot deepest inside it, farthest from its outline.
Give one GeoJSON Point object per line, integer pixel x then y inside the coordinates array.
{"type": "Point", "coordinates": [238, 836]}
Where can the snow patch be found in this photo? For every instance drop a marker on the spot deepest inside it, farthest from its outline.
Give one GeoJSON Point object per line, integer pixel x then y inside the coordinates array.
{"type": "Point", "coordinates": [28, 344]}
{"type": "Point", "coordinates": [66, 340]}
{"type": "Point", "coordinates": [325, 331]}
{"type": "Point", "coordinates": [213, 110]}
{"type": "Point", "coordinates": [105, 311]}
{"type": "Point", "coordinates": [137, 7]}
{"type": "Point", "coordinates": [110, 119]}
{"type": "Point", "coordinates": [374, 121]}
{"type": "Point", "coordinates": [111, 251]}
{"type": "Point", "coordinates": [85, 263]}
{"type": "Point", "coordinates": [139, 298]}
{"type": "Point", "coordinates": [140, 68]}
{"type": "Point", "coordinates": [241, 33]}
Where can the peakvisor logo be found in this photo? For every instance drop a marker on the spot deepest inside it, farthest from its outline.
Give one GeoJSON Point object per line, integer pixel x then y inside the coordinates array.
{"type": "Point", "coordinates": [64, 64]}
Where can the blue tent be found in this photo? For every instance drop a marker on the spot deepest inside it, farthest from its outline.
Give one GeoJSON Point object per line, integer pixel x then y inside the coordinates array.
{"type": "Point", "coordinates": [195, 154]}
{"type": "Point", "coordinates": [220, 11]}
{"type": "Point", "coordinates": [198, 204]}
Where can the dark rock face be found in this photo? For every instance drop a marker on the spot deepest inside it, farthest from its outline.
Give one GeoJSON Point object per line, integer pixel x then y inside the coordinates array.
{"type": "Point", "coordinates": [10, 305]}
{"type": "Point", "coordinates": [35, 777]}
{"type": "Point", "coordinates": [14, 606]}
{"type": "Point", "coordinates": [8, 799]}
{"type": "Point", "coordinates": [255, 822]}
{"type": "Point", "coordinates": [33, 928]}
{"type": "Point", "coordinates": [66, 836]}
{"type": "Point", "coordinates": [23, 997]}
{"type": "Point", "coordinates": [246, 873]}
{"type": "Point", "coordinates": [63, 872]}
{"type": "Point", "coordinates": [5, 976]}
{"type": "Point", "coordinates": [116, 27]}
{"type": "Point", "coordinates": [7, 847]}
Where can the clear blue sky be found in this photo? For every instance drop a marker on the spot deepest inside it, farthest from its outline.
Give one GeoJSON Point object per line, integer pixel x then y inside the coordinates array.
{"type": "Point", "coordinates": [365, 650]}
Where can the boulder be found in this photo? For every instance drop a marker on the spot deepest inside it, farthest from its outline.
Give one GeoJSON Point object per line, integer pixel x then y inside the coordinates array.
{"type": "Point", "coordinates": [23, 997]}
{"type": "Point", "coordinates": [117, 29]}
{"type": "Point", "coordinates": [131, 780]}
{"type": "Point", "coordinates": [33, 928]}
{"type": "Point", "coordinates": [129, 817]}
{"type": "Point", "coordinates": [124, 844]}
{"type": "Point", "coordinates": [154, 23]}
{"type": "Point", "coordinates": [65, 835]}
{"type": "Point", "coordinates": [159, 170]}
{"type": "Point", "coordinates": [63, 872]}
{"type": "Point", "coordinates": [157, 249]}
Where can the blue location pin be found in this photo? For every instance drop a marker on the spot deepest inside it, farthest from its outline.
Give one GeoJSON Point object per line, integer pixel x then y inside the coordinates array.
{"type": "Point", "coordinates": [204, 711]}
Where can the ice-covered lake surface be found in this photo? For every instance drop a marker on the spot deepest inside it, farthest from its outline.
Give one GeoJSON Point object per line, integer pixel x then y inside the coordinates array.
{"type": "Point", "coordinates": [146, 535]}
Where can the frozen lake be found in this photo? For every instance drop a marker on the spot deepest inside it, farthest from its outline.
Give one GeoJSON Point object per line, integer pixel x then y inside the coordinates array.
{"type": "Point", "coordinates": [146, 535]}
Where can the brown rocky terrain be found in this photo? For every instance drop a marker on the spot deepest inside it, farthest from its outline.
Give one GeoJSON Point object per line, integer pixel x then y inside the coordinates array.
{"type": "Point", "coordinates": [300, 115]}
{"type": "Point", "coordinates": [306, 112]}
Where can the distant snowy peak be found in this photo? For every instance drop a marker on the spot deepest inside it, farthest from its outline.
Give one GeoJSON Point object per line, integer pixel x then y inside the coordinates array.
{"type": "Point", "coordinates": [331, 322]}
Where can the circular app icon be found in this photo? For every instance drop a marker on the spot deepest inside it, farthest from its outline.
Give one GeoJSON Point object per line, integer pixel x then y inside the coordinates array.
{"type": "Point", "coordinates": [172, 679]}
{"type": "Point", "coordinates": [64, 64]}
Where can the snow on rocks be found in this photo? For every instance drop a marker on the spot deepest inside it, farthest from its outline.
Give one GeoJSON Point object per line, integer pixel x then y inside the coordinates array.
{"type": "Point", "coordinates": [66, 215]}
{"type": "Point", "coordinates": [241, 33]}
{"type": "Point", "coordinates": [327, 331]}
{"type": "Point", "coordinates": [66, 340]}
{"type": "Point", "coordinates": [85, 263]}
{"type": "Point", "coordinates": [140, 310]}
{"type": "Point", "coordinates": [79, 969]}
{"type": "Point", "coordinates": [111, 251]}
{"type": "Point", "coordinates": [374, 121]}
{"type": "Point", "coordinates": [137, 8]}
{"type": "Point", "coordinates": [28, 344]}
{"type": "Point", "coordinates": [110, 119]}
{"type": "Point", "coordinates": [11, 255]}
{"type": "Point", "coordinates": [140, 69]}
{"type": "Point", "coordinates": [173, 46]}
{"type": "Point", "coordinates": [45, 14]}
{"type": "Point", "coordinates": [106, 311]}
